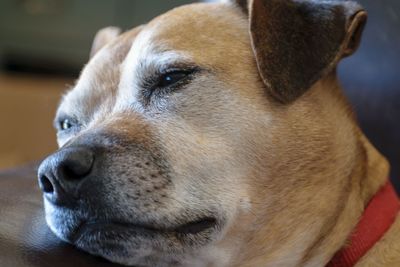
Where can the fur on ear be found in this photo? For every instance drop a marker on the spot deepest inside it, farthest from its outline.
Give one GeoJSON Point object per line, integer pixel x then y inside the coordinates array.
{"type": "Point", "coordinates": [103, 37]}
{"type": "Point", "coordinates": [242, 4]}
{"type": "Point", "coordinates": [296, 42]}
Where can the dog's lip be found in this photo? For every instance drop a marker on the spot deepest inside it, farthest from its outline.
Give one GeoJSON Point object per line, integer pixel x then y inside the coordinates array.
{"type": "Point", "coordinates": [190, 228]}
{"type": "Point", "coordinates": [197, 226]}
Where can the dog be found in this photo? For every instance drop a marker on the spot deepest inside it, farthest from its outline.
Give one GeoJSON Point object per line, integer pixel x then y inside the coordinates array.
{"type": "Point", "coordinates": [218, 135]}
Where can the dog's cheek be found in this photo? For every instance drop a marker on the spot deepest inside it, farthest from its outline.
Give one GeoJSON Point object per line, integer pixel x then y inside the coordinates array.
{"type": "Point", "coordinates": [211, 145]}
{"type": "Point", "coordinates": [206, 172]}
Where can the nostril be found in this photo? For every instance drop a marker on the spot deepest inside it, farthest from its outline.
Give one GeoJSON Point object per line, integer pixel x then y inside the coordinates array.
{"type": "Point", "coordinates": [45, 184]}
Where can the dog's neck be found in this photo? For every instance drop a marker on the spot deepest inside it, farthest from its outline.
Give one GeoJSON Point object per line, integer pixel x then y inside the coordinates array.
{"type": "Point", "coordinates": [368, 179]}
{"type": "Point", "coordinates": [315, 245]}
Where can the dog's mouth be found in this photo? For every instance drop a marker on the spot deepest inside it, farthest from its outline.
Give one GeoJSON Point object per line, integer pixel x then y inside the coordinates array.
{"type": "Point", "coordinates": [94, 227]}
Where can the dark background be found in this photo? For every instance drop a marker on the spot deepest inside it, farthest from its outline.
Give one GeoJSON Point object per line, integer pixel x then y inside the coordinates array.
{"type": "Point", "coordinates": [371, 79]}
{"type": "Point", "coordinates": [56, 35]}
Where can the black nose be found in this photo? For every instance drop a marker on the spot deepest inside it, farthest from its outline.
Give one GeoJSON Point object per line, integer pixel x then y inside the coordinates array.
{"type": "Point", "coordinates": [61, 173]}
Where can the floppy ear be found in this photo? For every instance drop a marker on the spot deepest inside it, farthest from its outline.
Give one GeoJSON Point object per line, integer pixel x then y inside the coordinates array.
{"type": "Point", "coordinates": [103, 37]}
{"type": "Point", "coordinates": [296, 42]}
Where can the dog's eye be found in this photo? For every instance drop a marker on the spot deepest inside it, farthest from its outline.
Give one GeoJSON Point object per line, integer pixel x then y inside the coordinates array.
{"type": "Point", "coordinates": [164, 82]}
{"type": "Point", "coordinates": [65, 124]}
{"type": "Point", "coordinates": [171, 78]}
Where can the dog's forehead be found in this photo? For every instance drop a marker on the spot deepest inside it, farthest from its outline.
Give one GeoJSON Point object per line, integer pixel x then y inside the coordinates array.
{"type": "Point", "coordinates": [214, 36]}
{"type": "Point", "coordinates": [209, 33]}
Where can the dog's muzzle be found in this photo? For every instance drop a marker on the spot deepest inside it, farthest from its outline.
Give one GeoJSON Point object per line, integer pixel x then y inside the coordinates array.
{"type": "Point", "coordinates": [102, 201]}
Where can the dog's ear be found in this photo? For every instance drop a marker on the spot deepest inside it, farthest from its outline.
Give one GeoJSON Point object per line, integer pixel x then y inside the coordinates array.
{"type": "Point", "coordinates": [103, 37]}
{"type": "Point", "coordinates": [296, 42]}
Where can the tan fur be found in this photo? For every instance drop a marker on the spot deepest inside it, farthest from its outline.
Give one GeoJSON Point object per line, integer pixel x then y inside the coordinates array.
{"type": "Point", "coordinates": [103, 37]}
{"type": "Point", "coordinates": [294, 179]}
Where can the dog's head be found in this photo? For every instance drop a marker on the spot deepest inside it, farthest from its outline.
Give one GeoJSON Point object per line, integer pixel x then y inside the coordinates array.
{"type": "Point", "coordinates": [185, 137]}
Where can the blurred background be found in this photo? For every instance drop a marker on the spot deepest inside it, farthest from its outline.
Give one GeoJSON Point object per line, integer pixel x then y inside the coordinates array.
{"type": "Point", "coordinates": [45, 43]}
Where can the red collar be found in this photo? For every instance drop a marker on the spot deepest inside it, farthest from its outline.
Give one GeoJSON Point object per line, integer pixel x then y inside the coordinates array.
{"type": "Point", "coordinates": [378, 216]}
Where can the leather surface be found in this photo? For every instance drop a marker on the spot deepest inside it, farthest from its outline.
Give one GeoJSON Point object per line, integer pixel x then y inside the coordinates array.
{"type": "Point", "coordinates": [371, 79]}
{"type": "Point", "coordinates": [25, 239]}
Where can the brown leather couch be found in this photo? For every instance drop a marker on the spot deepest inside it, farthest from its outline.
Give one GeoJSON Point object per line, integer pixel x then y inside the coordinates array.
{"type": "Point", "coordinates": [372, 82]}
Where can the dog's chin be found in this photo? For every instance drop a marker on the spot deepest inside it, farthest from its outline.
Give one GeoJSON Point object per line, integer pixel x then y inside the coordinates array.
{"type": "Point", "coordinates": [131, 243]}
